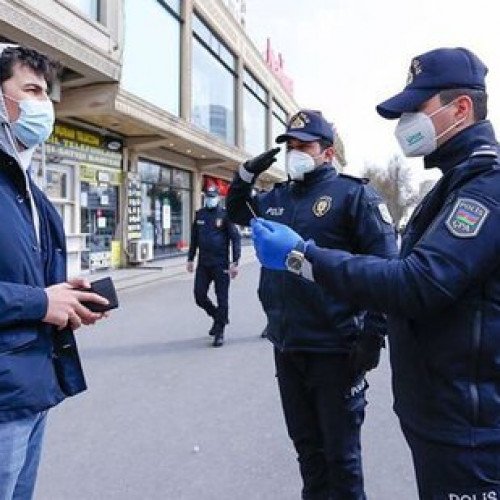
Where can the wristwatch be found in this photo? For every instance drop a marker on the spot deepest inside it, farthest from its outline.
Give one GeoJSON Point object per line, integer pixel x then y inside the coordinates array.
{"type": "Point", "coordinates": [294, 261]}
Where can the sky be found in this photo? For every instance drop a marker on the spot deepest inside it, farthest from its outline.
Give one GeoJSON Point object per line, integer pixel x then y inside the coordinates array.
{"type": "Point", "coordinates": [347, 56]}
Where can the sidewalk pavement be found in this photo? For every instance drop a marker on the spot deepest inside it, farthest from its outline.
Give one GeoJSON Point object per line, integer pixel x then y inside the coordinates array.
{"type": "Point", "coordinates": [150, 272]}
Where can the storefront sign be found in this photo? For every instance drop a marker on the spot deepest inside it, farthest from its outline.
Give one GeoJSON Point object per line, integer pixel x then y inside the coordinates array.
{"type": "Point", "coordinates": [94, 175]}
{"type": "Point", "coordinates": [134, 207]}
{"type": "Point", "coordinates": [220, 184]}
{"type": "Point", "coordinates": [167, 217]}
{"type": "Point", "coordinates": [276, 64]}
{"type": "Point", "coordinates": [70, 143]}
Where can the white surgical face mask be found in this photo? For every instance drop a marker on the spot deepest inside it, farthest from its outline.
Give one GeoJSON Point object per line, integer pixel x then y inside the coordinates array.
{"type": "Point", "coordinates": [211, 202]}
{"type": "Point", "coordinates": [35, 122]}
{"type": "Point", "coordinates": [298, 164]}
{"type": "Point", "coordinates": [416, 133]}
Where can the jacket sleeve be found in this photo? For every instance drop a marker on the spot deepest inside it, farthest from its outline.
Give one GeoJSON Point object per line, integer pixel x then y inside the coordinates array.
{"type": "Point", "coordinates": [193, 244]}
{"type": "Point", "coordinates": [373, 234]}
{"type": "Point", "coordinates": [21, 303]}
{"type": "Point", "coordinates": [435, 274]}
{"type": "Point", "coordinates": [239, 194]}
{"type": "Point", "coordinates": [235, 237]}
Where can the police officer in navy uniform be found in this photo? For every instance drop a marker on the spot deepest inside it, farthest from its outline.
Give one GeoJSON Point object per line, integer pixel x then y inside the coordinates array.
{"type": "Point", "coordinates": [211, 234]}
{"type": "Point", "coordinates": [443, 293]}
{"type": "Point", "coordinates": [323, 346]}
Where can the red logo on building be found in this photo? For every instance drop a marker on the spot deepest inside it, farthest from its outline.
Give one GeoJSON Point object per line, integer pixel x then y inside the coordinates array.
{"type": "Point", "coordinates": [275, 64]}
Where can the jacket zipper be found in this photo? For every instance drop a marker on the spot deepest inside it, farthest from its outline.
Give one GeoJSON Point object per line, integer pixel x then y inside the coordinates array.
{"type": "Point", "coordinates": [476, 343]}
{"type": "Point", "coordinates": [284, 322]}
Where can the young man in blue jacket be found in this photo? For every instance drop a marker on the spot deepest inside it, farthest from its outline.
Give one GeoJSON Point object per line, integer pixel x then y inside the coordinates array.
{"type": "Point", "coordinates": [443, 293]}
{"type": "Point", "coordinates": [39, 308]}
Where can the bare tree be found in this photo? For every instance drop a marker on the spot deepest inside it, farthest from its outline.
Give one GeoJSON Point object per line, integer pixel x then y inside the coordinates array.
{"type": "Point", "coordinates": [394, 184]}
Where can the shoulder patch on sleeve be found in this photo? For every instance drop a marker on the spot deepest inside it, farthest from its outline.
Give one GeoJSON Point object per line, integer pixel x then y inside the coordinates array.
{"type": "Point", "coordinates": [485, 150]}
{"type": "Point", "coordinates": [466, 218]}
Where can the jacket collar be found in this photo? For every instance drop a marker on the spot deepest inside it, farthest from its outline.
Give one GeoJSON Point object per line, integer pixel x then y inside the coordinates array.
{"type": "Point", "coordinates": [12, 169]}
{"type": "Point", "coordinates": [318, 174]}
{"type": "Point", "coordinates": [461, 146]}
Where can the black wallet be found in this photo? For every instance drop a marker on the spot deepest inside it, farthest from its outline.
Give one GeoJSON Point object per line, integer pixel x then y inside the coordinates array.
{"type": "Point", "coordinates": [106, 289]}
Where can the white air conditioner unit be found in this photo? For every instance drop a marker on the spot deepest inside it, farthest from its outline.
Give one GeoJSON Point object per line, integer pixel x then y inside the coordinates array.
{"type": "Point", "coordinates": [140, 251]}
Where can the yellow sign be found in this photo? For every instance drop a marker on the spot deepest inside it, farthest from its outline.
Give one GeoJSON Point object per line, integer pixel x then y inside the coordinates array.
{"type": "Point", "coordinates": [72, 134]}
{"type": "Point", "coordinates": [116, 252]}
{"type": "Point", "coordinates": [93, 175]}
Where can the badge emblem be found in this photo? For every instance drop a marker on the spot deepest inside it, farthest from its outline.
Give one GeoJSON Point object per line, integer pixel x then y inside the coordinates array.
{"type": "Point", "coordinates": [466, 218]}
{"type": "Point", "coordinates": [322, 205]}
{"type": "Point", "coordinates": [384, 213]}
{"type": "Point", "coordinates": [415, 69]}
{"type": "Point", "coordinates": [218, 223]}
{"type": "Point", "coordinates": [299, 120]}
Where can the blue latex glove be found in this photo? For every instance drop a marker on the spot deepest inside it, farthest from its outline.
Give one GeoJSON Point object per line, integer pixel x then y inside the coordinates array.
{"type": "Point", "coordinates": [273, 242]}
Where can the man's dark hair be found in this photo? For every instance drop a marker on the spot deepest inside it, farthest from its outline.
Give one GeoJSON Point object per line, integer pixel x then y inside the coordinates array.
{"type": "Point", "coordinates": [324, 144]}
{"type": "Point", "coordinates": [40, 64]}
{"type": "Point", "coordinates": [479, 100]}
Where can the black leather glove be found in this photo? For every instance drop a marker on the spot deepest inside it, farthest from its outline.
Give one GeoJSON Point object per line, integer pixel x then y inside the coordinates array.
{"type": "Point", "coordinates": [365, 354]}
{"type": "Point", "coordinates": [261, 163]}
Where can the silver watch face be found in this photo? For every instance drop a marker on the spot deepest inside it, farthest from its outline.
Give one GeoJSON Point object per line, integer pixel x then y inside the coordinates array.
{"type": "Point", "coordinates": [294, 262]}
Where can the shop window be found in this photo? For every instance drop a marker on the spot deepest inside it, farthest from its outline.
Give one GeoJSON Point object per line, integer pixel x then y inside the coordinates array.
{"type": "Point", "coordinates": [88, 7]}
{"type": "Point", "coordinates": [152, 40]}
{"type": "Point", "coordinates": [56, 186]}
{"type": "Point", "coordinates": [165, 207]}
{"type": "Point", "coordinates": [213, 84]}
{"type": "Point", "coordinates": [278, 128]}
{"type": "Point", "coordinates": [99, 222]}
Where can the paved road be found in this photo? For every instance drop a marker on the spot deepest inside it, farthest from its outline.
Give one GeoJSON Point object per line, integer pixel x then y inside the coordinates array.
{"type": "Point", "coordinates": [169, 418]}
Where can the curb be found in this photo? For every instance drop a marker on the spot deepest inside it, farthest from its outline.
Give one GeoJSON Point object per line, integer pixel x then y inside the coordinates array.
{"type": "Point", "coordinates": [126, 279]}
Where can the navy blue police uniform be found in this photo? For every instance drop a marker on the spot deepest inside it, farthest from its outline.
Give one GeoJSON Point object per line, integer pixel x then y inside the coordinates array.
{"type": "Point", "coordinates": [313, 332]}
{"type": "Point", "coordinates": [443, 300]}
{"type": "Point", "coordinates": [211, 235]}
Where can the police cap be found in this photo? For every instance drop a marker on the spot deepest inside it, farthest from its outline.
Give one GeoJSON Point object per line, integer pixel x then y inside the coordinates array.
{"type": "Point", "coordinates": [308, 126]}
{"type": "Point", "coordinates": [439, 69]}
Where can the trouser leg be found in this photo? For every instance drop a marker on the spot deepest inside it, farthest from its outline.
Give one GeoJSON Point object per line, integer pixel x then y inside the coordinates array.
{"type": "Point", "coordinates": [302, 424]}
{"type": "Point", "coordinates": [202, 282]}
{"type": "Point", "coordinates": [221, 282]}
{"type": "Point", "coordinates": [20, 447]}
{"type": "Point", "coordinates": [27, 478]}
{"type": "Point", "coordinates": [340, 406]}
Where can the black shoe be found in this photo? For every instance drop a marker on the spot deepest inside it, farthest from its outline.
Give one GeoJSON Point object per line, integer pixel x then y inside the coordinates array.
{"type": "Point", "coordinates": [218, 329]}
{"type": "Point", "coordinates": [213, 330]}
{"type": "Point", "coordinates": [218, 340]}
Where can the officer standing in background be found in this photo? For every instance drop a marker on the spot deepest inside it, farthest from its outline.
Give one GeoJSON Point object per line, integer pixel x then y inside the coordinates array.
{"type": "Point", "coordinates": [322, 346]}
{"type": "Point", "coordinates": [211, 233]}
{"type": "Point", "coordinates": [443, 293]}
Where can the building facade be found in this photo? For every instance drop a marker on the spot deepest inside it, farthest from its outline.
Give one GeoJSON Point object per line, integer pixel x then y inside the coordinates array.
{"type": "Point", "coordinates": [156, 100]}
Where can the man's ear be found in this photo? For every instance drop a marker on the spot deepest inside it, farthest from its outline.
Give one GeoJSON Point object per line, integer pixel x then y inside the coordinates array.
{"type": "Point", "coordinates": [330, 153]}
{"type": "Point", "coordinates": [465, 107]}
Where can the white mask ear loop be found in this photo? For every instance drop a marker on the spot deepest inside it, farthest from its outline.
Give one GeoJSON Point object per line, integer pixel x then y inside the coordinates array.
{"type": "Point", "coordinates": [451, 127]}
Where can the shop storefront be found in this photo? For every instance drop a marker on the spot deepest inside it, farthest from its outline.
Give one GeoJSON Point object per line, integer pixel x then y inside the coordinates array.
{"type": "Point", "coordinates": [82, 178]}
{"type": "Point", "coordinates": [165, 207]}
